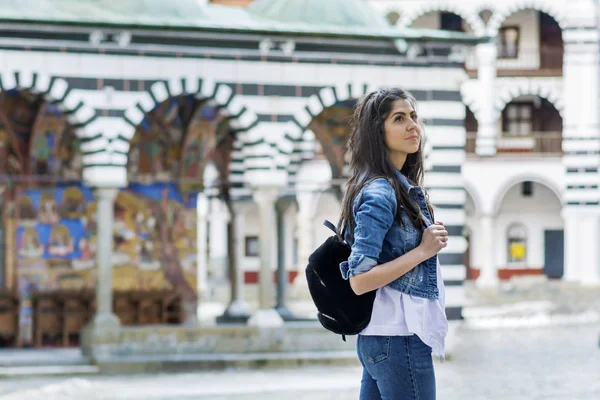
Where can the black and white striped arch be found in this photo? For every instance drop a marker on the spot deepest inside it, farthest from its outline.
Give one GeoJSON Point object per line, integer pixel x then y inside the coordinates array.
{"type": "Point", "coordinates": [112, 150]}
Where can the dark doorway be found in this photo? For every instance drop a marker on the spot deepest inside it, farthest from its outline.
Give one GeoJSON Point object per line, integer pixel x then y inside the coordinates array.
{"type": "Point", "coordinates": [554, 246]}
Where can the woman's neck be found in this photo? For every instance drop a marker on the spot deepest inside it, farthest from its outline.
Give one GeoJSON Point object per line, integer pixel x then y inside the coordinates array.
{"type": "Point", "coordinates": [398, 159]}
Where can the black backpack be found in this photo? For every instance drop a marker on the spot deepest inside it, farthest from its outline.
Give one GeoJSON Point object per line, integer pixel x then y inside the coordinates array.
{"type": "Point", "coordinates": [340, 310]}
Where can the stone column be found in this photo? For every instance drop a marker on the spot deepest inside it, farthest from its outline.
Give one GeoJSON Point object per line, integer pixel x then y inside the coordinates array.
{"type": "Point", "coordinates": [105, 198]}
{"type": "Point", "coordinates": [486, 75]}
{"type": "Point", "coordinates": [237, 310]}
{"type": "Point", "coordinates": [489, 273]}
{"type": "Point", "coordinates": [105, 324]}
{"type": "Point", "coordinates": [282, 271]}
{"type": "Point", "coordinates": [265, 198]}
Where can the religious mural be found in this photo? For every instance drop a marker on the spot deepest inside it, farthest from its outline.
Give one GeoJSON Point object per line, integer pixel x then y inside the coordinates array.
{"type": "Point", "coordinates": [36, 140]}
{"type": "Point", "coordinates": [53, 216]}
{"type": "Point", "coordinates": [154, 241]}
{"type": "Point", "coordinates": [169, 153]}
{"type": "Point", "coordinates": [176, 141]}
{"type": "Point", "coordinates": [39, 154]}
{"type": "Point", "coordinates": [331, 131]}
{"type": "Point", "coordinates": [54, 243]}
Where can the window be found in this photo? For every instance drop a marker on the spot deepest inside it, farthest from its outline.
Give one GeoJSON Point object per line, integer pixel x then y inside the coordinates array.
{"type": "Point", "coordinates": [508, 42]}
{"type": "Point", "coordinates": [517, 244]}
{"type": "Point", "coordinates": [451, 22]}
{"type": "Point", "coordinates": [527, 189]}
{"type": "Point", "coordinates": [517, 119]}
{"type": "Point", "coordinates": [252, 246]}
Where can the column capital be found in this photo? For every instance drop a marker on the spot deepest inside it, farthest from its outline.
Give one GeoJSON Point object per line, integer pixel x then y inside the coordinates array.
{"type": "Point", "coordinates": [486, 214]}
{"type": "Point", "coordinates": [487, 52]}
{"type": "Point", "coordinates": [267, 177]}
{"type": "Point", "coordinates": [109, 193]}
{"type": "Point", "coordinates": [264, 195]}
{"type": "Point", "coordinates": [110, 176]}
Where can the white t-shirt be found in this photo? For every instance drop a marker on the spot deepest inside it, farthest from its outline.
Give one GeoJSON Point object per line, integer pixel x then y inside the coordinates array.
{"type": "Point", "coordinates": [399, 314]}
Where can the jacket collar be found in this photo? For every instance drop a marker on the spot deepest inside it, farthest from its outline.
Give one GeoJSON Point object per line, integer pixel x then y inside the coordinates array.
{"type": "Point", "coordinates": [404, 181]}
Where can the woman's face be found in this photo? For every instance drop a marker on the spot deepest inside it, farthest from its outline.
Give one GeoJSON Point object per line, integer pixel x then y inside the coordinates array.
{"type": "Point", "coordinates": [402, 131]}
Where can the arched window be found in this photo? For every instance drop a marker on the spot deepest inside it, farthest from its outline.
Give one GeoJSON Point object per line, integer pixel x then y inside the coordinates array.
{"type": "Point", "coordinates": [517, 244]}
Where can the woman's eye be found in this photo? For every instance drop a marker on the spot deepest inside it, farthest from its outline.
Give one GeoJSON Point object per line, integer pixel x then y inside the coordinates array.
{"type": "Point", "coordinates": [399, 119]}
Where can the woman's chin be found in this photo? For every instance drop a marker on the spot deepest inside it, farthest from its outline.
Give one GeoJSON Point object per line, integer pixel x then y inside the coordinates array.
{"type": "Point", "coordinates": [414, 149]}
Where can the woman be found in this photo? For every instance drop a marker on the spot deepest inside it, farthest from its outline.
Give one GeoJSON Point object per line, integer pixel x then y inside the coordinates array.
{"type": "Point", "coordinates": [388, 221]}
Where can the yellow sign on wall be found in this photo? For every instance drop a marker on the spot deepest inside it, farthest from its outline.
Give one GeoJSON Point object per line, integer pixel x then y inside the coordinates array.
{"type": "Point", "coordinates": [517, 251]}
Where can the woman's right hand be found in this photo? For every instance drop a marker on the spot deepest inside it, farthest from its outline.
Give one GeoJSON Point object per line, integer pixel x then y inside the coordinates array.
{"type": "Point", "coordinates": [434, 239]}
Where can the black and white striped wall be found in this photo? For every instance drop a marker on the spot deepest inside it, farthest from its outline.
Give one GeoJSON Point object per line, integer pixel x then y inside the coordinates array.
{"type": "Point", "coordinates": [270, 105]}
{"type": "Point", "coordinates": [441, 107]}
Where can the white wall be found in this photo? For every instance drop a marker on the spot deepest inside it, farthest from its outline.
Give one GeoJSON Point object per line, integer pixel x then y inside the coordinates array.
{"type": "Point", "coordinates": [489, 180]}
{"type": "Point", "coordinates": [537, 213]}
{"type": "Point", "coordinates": [428, 21]}
{"type": "Point", "coordinates": [251, 228]}
{"type": "Point", "coordinates": [217, 232]}
{"type": "Point", "coordinates": [494, 188]}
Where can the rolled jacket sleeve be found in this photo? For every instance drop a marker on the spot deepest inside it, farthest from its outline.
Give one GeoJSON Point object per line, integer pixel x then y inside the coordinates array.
{"type": "Point", "coordinates": [374, 213]}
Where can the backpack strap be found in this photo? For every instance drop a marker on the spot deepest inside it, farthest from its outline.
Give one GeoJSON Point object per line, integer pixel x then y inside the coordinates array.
{"type": "Point", "coordinates": [330, 226]}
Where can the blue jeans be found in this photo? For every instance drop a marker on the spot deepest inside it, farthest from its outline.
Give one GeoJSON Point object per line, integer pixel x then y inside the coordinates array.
{"type": "Point", "coordinates": [395, 368]}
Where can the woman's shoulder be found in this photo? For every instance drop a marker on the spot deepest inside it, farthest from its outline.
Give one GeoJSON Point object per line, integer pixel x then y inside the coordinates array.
{"type": "Point", "coordinates": [378, 189]}
{"type": "Point", "coordinates": [379, 185]}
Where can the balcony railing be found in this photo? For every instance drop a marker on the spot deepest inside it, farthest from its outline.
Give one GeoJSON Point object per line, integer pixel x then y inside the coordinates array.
{"type": "Point", "coordinates": [538, 61]}
{"type": "Point", "coordinates": [536, 143]}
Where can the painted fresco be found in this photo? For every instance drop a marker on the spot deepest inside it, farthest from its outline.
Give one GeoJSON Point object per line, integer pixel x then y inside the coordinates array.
{"type": "Point", "coordinates": [175, 142]}
{"type": "Point", "coordinates": [54, 243]}
{"type": "Point", "coordinates": [54, 216]}
{"type": "Point", "coordinates": [154, 241]}
{"type": "Point", "coordinates": [35, 139]}
{"type": "Point", "coordinates": [169, 152]}
{"type": "Point", "coordinates": [331, 130]}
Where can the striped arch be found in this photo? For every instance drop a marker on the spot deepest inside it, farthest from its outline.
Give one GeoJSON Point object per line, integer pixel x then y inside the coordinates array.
{"type": "Point", "coordinates": [508, 89]}
{"type": "Point", "coordinates": [408, 16]}
{"type": "Point", "coordinates": [511, 181]}
{"type": "Point", "coordinates": [299, 138]}
{"type": "Point", "coordinates": [551, 90]}
{"type": "Point", "coordinates": [241, 119]}
{"type": "Point", "coordinates": [57, 90]}
{"type": "Point", "coordinates": [79, 115]}
{"type": "Point", "coordinates": [505, 9]}
{"type": "Point", "coordinates": [470, 96]}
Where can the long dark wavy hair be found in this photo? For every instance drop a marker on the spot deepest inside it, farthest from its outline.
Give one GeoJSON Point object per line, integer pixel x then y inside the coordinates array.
{"type": "Point", "coordinates": [369, 157]}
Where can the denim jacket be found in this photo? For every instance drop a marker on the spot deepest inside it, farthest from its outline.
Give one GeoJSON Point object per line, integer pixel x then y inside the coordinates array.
{"type": "Point", "coordinates": [379, 238]}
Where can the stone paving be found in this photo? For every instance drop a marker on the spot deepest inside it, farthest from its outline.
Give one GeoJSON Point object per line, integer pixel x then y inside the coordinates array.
{"type": "Point", "coordinates": [549, 363]}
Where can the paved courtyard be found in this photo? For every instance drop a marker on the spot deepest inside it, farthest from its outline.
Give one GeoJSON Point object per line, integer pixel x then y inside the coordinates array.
{"type": "Point", "coordinates": [549, 363]}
